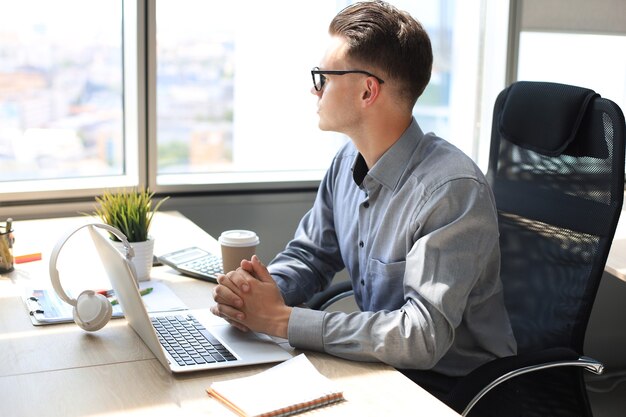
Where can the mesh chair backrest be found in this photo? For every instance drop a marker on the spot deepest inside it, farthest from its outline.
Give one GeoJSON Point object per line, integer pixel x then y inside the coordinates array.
{"type": "Point", "coordinates": [558, 205]}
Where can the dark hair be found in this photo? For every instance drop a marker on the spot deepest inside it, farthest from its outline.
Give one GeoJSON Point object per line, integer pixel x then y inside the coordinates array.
{"type": "Point", "coordinates": [380, 35]}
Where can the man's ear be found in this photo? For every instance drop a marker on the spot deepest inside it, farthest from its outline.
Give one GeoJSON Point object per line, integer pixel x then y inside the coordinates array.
{"type": "Point", "coordinates": [371, 92]}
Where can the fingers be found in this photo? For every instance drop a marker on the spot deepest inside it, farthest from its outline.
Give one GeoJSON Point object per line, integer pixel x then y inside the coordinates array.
{"type": "Point", "coordinates": [238, 325]}
{"type": "Point", "coordinates": [218, 310]}
{"type": "Point", "coordinates": [255, 267]}
{"type": "Point", "coordinates": [236, 280]}
{"type": "Point", "coordinates": [227, 293]}
{"type": "Point", "coordinates": [227, 312]}
{"type": "Point", "coordinates": [228, 296]}
{"type": "Point", "coordinates": [248, 298]}
{"type": "Point", "coordinates": [246, 265]}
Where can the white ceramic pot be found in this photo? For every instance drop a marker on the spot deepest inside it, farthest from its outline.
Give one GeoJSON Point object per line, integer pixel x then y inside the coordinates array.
{"type": "Point", "coordinates": [142, 259]}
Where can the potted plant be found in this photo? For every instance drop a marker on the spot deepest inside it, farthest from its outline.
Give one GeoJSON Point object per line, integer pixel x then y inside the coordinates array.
{"type": "Point", "coordinates": [131, 212]}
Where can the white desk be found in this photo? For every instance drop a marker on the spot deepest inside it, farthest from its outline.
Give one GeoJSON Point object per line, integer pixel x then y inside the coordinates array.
{"type": "Point", "coordinates": [60, 370]}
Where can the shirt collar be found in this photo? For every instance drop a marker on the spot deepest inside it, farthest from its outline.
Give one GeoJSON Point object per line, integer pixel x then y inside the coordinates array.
{"type": "Point", "coordinates": [393, 162]}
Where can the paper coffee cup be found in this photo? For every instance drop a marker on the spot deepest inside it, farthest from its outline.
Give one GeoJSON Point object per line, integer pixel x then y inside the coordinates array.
{"type": "Point", "coordinates": [237, 245]}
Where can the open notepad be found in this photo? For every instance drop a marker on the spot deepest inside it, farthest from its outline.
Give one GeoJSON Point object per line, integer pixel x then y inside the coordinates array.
{"type": "Point", "coordinates": [291, 387]}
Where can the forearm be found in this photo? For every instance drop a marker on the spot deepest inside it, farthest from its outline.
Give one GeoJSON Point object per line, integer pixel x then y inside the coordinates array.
{"type": "Point", "coordinates": [408, 338]}
{"type": "Point", "coordinates": [278, 324]}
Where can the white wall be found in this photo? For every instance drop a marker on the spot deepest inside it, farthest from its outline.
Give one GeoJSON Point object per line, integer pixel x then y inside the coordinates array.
{"type": "Point", "coordinates": [273, 216]}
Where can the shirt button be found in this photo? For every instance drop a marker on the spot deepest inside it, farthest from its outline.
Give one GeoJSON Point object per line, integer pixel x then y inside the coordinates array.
{"type": "Point", "coordinates": [362, 282]}
{"type": "Point", "coordinates": [366, 204]}
{"type": "Point", "coordinates": [361, 244]}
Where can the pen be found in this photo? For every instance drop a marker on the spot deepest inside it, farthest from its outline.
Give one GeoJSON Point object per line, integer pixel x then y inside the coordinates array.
{"type": "Point", "coordinates": [143, 292]}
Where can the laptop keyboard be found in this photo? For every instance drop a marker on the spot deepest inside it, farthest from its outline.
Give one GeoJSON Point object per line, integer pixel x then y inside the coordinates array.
{"type": "Point", "coordinates": [188, 341]}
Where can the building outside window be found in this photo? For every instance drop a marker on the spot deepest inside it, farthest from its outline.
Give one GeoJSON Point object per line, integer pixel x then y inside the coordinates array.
{"type": "Point", "coordinates": [195, 95]}
{"type": "Point", "coordinates": [61, 95]}
{"type": "Point", "coordinates": [233, 87]}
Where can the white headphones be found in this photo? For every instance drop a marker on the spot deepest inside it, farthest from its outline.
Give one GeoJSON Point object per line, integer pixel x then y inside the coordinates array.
{"type": "Point", "coordinates": [91, 311]}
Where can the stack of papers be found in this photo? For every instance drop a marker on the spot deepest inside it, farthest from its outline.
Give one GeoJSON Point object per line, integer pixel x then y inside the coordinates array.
{"type": "Point", "coordinates": [45, 306]}
{"type": "Point", "coordinates": [291, 387]}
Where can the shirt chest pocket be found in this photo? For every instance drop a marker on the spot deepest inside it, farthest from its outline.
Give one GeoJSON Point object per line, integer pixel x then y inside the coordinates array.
{"type": "Point", "coordinates": [383, 285]}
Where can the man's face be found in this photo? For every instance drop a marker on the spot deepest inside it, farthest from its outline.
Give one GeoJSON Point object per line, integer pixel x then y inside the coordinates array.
{"type": "Point", "coordinates": [338, 101]}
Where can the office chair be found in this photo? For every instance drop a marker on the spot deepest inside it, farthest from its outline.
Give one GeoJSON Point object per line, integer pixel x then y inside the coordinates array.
{"type": "Point", "coordinates": [556, 167]}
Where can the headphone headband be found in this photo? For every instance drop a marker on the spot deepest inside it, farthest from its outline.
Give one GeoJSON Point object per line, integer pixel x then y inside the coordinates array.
{"type": "Point", "coordinates": [54, 273]}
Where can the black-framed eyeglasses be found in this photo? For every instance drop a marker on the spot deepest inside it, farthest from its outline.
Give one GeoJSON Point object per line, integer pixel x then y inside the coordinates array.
{"type": "Point", "coordinates": [319, 79]}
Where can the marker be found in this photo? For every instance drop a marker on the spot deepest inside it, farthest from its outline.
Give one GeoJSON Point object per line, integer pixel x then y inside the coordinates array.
{"type": "Point", "coordinates": [143, 292]}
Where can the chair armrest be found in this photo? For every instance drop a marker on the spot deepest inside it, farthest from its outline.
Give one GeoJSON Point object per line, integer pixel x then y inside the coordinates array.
{"type": "Point", "coordinates": [474, 386]}
{"type": "Point", "coordinates": [330, 295]}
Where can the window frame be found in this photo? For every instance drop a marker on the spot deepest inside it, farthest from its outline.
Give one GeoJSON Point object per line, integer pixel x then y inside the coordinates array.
{"type": "Point", "coordinates": [41, 190]}
{"type": "Point", "coordinates": [140, 127]}
{"type": "Point", "coordinates": [229, 182]}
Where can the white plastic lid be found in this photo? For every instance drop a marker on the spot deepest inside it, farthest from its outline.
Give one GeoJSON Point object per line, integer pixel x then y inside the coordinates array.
{"type": "Point", "coordinates": [239, 238]}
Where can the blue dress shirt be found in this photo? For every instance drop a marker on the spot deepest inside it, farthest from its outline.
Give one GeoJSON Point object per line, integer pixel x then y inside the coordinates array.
{"type": "Point", "coordinates": [418, 235]}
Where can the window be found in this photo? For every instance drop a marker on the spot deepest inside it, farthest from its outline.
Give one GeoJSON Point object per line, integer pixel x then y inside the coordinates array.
{"type": "Point", "coordinates": [61, 94]}
{"type": "Point", "coordinates": [232, 88]}
{"type": "Point", "coordinates": [186, 95]}
{"type": "Point", "coordinates": [232, 91]}
{"type": "Point", "coordinates": [538, 61]}
{"type": "Point", "coordinates": [556, 44]}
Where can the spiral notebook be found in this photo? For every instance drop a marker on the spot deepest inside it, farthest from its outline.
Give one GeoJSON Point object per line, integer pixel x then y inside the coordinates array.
{"type": "Point", "coordinates": [291, 387]}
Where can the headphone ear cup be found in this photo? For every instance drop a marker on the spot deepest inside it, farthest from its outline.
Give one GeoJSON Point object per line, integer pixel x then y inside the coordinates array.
{"type": "Point", "coordinates": [92, 311]}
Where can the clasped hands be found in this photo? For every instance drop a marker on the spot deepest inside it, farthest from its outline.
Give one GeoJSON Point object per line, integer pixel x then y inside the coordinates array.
{"type": "Point", "coordinates": [249, 299]}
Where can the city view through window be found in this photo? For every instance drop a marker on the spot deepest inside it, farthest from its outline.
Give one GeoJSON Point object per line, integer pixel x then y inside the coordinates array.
{"type": "Point", "coordinates": [232, 86]}
{"type": "Point", "coordinates": [60, 89]}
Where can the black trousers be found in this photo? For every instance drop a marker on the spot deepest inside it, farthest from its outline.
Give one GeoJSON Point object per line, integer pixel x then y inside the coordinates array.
{"type": "Point", "coordinates": [437, 384]}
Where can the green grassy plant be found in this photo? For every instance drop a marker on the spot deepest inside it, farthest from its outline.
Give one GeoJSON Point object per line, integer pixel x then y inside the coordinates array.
{"type": "Point", "coordinates": [129, 211]}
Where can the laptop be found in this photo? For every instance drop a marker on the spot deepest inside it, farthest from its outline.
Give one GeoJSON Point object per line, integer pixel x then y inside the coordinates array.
{"type": "Point", "coordinates": [188, 340]}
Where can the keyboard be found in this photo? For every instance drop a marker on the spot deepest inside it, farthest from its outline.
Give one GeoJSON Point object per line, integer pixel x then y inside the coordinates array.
{"type": "Point", "coordinates": [194, 262]}
{"type": "Point", "coordinates": [188, 341]}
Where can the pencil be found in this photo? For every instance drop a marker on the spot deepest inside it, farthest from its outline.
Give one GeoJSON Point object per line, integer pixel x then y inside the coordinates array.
{"type": "Point", "coordinates": [27, 258]}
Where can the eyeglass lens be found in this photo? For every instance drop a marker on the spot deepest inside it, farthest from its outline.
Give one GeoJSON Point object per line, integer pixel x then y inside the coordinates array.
{"type": "Point", "coordinates": [318, 81]}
